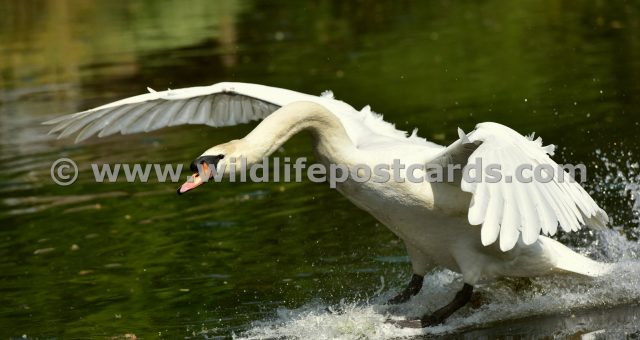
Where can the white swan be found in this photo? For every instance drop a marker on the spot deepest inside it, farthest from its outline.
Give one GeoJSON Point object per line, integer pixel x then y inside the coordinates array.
{"type": "Point", "coordinates": [438, 222]}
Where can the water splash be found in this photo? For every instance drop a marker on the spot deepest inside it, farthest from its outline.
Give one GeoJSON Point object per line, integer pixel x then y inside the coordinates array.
{"type": "Point", "coordinates": [500, 302]}
{"type": "Point", "coordinates": [617, 182]}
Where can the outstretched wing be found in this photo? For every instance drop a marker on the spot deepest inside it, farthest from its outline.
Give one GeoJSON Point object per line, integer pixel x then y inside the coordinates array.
{"type": "Point", "coordinates": [222, 104]}
{"type": "Point", "coordinates": [509, 209]}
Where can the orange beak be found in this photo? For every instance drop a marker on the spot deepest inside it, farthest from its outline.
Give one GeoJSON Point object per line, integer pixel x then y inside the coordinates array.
{"type": "Point", "coordinates": [195, 180]}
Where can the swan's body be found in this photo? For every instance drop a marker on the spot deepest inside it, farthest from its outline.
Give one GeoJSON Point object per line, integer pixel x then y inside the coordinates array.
{"type": "Point", "coordinates": [435, 220]}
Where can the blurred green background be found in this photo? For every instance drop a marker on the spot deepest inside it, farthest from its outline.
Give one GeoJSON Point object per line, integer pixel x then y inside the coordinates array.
{"type": "Point", "coordinates": [99, 260]}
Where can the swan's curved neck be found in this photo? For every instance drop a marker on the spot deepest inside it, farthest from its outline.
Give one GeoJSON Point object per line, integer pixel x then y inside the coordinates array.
{"type": "Point", "coordinates": [330, 137]}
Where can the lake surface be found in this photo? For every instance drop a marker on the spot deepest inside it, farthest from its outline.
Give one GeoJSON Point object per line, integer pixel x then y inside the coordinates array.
{"type": "Point", "coordinates": [280, 260]}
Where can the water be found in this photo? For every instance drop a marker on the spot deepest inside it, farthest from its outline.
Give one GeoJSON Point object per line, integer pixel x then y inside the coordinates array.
{"type": "Point", "coordinates": [268, 260]}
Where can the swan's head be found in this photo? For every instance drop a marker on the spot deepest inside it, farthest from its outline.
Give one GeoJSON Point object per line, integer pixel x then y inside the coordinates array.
{"type": "Point", "coordinates": [211, 162]}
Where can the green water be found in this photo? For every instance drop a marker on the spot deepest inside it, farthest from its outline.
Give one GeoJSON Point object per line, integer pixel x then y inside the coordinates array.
{"type": "Point", "coordinates": [106, 260]}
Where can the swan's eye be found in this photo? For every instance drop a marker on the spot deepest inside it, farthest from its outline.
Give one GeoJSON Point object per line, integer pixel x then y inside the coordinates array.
{"type": "Point", "coordinates": [212, 162]}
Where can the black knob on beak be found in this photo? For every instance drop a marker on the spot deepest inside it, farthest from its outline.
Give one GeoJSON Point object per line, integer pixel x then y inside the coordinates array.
{"type": "Point", "coordinates": [212, 162]}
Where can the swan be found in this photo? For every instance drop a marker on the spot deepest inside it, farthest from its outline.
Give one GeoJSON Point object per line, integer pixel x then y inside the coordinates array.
{"type": "Point", "coordinates": [482, 230]}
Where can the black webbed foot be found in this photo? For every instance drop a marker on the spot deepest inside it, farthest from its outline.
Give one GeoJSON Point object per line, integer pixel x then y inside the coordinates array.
{"type": "Point", "coordinates": [412, 289]}
{"type": "Point", "coordinates": [439, 316]}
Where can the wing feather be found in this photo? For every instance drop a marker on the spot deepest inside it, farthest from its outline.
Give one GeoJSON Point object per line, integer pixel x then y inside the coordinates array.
{"type": "Point", "coordinates": [132, 121]}
{"type": "Point", "coordinates": [74, 125]}
{"type": "Point", "coordinates": [479, 203]}
{"type": "Point", "coordinates": [512, 209]}
{"type": "Point", "coordinates": [158, 117]}
{"type": "Point", "coordinates": [63, 123]}
{"type": "Point", "coordinates": [511, 217]}
{"type": "Point", "coordinates": [221, 105]}
{"type": "Point", "coordinates": [247, 110]}
{"type": "Point", "coordinates": [106, 119]}
{"type": "Point", "coordinates": [494, 212]}
{"type": "Point", "coordinates": [145, 120]}
{"type": "Point", "coordinates": [199, 114]}
{"type": "Point", "coordinates": [181, 115]}
{"type": "Point", "coordinates": [545, 212]}
{"type": "Point", "coordinates": [551, 209]}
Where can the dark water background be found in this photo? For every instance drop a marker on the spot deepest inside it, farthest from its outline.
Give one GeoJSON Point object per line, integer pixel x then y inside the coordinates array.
{"type": "Point", "coordinates": [93, 259]}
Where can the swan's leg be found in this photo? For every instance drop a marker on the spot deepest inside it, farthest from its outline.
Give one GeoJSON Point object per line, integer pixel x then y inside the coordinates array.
{"type": "Point", "coordinates": [438, 317]}
{"type": "Point", "coordinates": [412, 289]}
{"type": "Point", "coordinates": [420, 266]}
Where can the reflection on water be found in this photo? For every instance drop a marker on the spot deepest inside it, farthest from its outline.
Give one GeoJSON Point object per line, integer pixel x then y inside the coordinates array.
{"type": "Point", "coordinates": [268, 259]}
{"type": "Point", "coordinates": [64, 42]}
